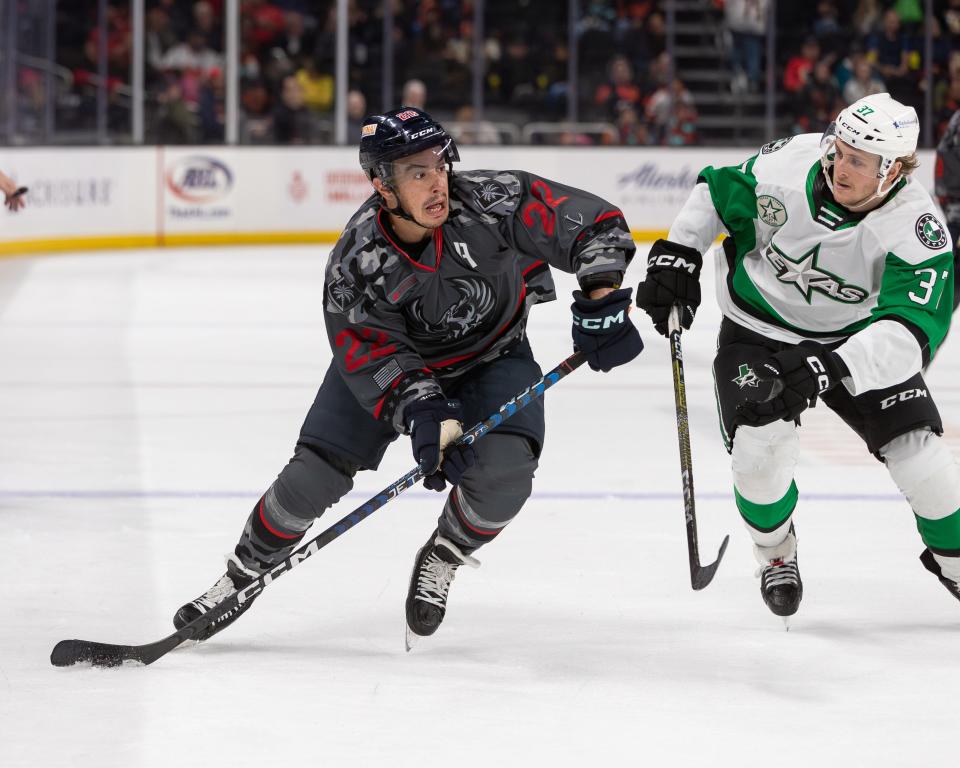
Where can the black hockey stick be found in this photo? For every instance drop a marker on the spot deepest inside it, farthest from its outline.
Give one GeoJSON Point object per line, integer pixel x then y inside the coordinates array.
{"type": "Point", "coordinates": [700, 575]}
{"type": "Point", "coordinates": [68, 652]}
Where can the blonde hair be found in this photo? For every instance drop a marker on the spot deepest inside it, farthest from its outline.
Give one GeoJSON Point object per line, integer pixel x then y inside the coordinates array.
{"type": "Point", "coordinates": [908, 163]}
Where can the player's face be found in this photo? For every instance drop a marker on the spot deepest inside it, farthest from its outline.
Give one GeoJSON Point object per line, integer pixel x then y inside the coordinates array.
{"type": "Point", "coordinates": [421, 183]}
{"type": "Point", "coordinates": [854, 174]}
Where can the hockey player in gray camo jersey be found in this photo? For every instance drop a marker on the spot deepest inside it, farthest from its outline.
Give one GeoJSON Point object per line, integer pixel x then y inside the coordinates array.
{"type": "Point", "coordinates": [836, 283]}
{"type": "Point", "coordinates": [426, 299]}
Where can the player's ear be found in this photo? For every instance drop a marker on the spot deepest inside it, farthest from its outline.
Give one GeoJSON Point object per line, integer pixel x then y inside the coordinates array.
{"type": "Point", "coordinates": [386, 192]}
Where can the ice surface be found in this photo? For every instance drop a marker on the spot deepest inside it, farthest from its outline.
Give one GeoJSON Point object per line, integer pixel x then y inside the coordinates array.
{"type": "Point", "coordinates": [148, 398]}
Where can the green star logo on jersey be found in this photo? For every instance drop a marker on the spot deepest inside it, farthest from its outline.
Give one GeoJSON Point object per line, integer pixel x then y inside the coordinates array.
{"type": "Point", "coordinates": [807, 277]}
{"type": "Point", "coordinates": [771, 211]}
{"type": "Point", "coordinates": [747, 377]}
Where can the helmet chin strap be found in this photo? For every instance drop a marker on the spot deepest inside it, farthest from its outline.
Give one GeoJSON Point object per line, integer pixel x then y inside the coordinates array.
{"type": "Point", "coordinates": [398, 209]}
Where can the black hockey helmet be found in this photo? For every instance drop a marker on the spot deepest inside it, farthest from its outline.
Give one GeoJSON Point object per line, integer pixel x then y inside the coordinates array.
{"type": "Point", "coordinates": [399, 133]}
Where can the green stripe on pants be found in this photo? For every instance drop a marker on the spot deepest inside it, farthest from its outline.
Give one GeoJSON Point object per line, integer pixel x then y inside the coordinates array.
{"type": "Point", "coordinates": [767, 517]}
{"type": "Point", "coordinates": [941, 536]}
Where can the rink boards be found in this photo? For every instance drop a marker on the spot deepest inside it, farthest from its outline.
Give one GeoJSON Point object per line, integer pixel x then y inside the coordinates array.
{"type": "Point", "coordinates": [135, 197]}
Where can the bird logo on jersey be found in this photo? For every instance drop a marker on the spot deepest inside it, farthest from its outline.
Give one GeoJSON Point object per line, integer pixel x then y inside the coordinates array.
{"type": "Point", "coordinates": [807, 277]}
{"type": "Point", "coordinates": [474, 305]}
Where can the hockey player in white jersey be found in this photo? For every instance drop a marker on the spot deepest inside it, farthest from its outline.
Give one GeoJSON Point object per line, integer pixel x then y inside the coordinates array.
{"type": "Point", "coordinates": [836, 282]}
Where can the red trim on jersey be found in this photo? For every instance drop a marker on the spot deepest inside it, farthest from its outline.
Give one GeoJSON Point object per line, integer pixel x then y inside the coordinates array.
{"type": "Point", "coordinates": [532, 266]}
{"type": "Point", "coordinates": [438, 245]}
{"type": "Point", "coordinates": [607, 215]}
{"type": "Point", "coordinates": [383, 229]}
{"type": "Point", "coordinates": [273, 530]}
{"type": "Point", "coordinates": [437, 239]}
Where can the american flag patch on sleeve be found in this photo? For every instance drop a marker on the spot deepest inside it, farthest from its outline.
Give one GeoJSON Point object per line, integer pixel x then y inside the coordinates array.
{"type": "Point", "coordinates": [387, 375]}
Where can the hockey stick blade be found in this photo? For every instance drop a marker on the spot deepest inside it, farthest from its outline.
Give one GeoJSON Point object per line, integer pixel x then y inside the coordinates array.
{"type": "Point", "coordinates": [702, 575]}
{"type": "Point", "coordinates": [66, 653]}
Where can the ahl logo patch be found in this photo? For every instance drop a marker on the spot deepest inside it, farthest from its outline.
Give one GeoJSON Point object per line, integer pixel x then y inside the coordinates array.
{"type": "Point", "coordinates": [773, 146]}
{"type": "Point", "coordinates": [343, 295]}
{"type": "Point", "coordinates": [771, 211]}
{"type": "Point", "coordinates": [489, 194]}
{"type": "Point", "coordinates": [931, 232]}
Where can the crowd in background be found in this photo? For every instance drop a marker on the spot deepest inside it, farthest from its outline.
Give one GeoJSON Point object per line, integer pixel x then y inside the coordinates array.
{"type": "Point", "coordinates": [629, 89]}
{"type": "Point", "coordinates": [853, 48]}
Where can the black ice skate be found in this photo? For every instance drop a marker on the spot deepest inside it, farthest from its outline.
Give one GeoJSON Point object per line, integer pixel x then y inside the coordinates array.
{"type": "Point", "coordinates": [433, 571]}
{"type": "Point", "coordinates": [930, 563]}
{"type": "Point", "coordinates": [236, 578]}
{"type": "Point", "coordinates": [780, 583]}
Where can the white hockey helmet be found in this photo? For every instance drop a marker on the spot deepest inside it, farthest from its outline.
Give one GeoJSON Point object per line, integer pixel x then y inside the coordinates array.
{"type": "Point", "coordinates": [877, 124]}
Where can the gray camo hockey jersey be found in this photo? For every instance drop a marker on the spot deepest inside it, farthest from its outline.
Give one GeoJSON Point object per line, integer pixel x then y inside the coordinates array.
{"type": "Point", "coordinates": [401, 321]}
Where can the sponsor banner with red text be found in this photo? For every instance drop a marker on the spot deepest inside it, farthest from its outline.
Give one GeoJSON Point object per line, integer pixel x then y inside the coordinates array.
{"type": "Point", "coordinates": [95, 197]}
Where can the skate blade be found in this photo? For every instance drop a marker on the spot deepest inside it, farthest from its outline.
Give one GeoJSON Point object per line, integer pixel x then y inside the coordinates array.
{"type": "Point", "coordinates": [786, 623]}
{"type": "Point", "coordinates": [411, 639]}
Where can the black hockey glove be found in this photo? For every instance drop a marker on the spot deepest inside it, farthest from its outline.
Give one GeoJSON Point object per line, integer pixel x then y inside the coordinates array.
{"type": "Point", "coordinates": [603, 330]}
{"type": "Point", "coordinates": [789, 382]}
{"type": "Point", "coordinates": [673, 277]}
{"type": "Point", "coordinates": [433, 424]}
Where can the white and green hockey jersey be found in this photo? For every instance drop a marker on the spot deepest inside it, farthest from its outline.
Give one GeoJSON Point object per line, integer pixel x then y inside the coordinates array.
{"type": "Point", "coordinates": [796, 265]}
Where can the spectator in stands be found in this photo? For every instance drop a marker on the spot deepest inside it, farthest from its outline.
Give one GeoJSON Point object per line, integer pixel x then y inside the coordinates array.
{"type": "Point", "coordinates": [266, 20]}
{"type": "Point", "coordinates": [827, 29]}
{"type": "Point", "coordinates": [119, 43]}
{"type": "Point", "coordinates": [820, 100]}
{"type": "Point", "coordinates": [863, 83]}
{"type": "Point", "coordinates": [414, 94]}
{"type": "Point", "coordinates": [179, 15]}
{"type": "Point", "coordinates": [656, 27]}
{"type": "Point", "coordinates": [469, 130]}
{"type": "Point", "coordinates": [206, 21]}
{"type": "Point", "coordinates": [631, 130]}
{"type": "Point", "coordinates": [889, 52]}
{"type": "Point", "coordinates": [951, 18]}
{"type": "Point", "coordinates": [256, 118]}
{"type": "Point", "coordinates": [747, 22]}
{"type": "Point", "coordinates": [356, 111]}
{"type": "Point", "coordinates": [175, 123]}
{"type": "Point", "coordinates": [192, 55]}
{"type": "Point", "coordinates": [866, 17]}
{"type": "Point", "coordinates": [158, 39]}
{"type": "Point", "coordinates": [670, 112]}
{"type": "Point", "coordinates": [317, 86]}
{"type": "Point", "coordinates": [296, 44]}
{"type": "Point", "coordinates": [292, 122]}
{"type": "Point", "coordinates": [9, 187]}
{"type": "Point", "coordinates": [620, 91]}
{"type": "Point", "coordinates": [210, 108]}
{"type": "Point", "coordinates": [799, 67]}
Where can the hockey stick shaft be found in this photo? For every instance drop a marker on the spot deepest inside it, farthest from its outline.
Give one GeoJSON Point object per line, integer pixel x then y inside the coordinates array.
{"type": "Point", "coordinates": [700, 575]}
{"type": "Point", "coordinates": [68, 652]}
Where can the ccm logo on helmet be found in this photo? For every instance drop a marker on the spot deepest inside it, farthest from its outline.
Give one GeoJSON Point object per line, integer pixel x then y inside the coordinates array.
{"type": "Point", "coordinates": [424, 132]}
